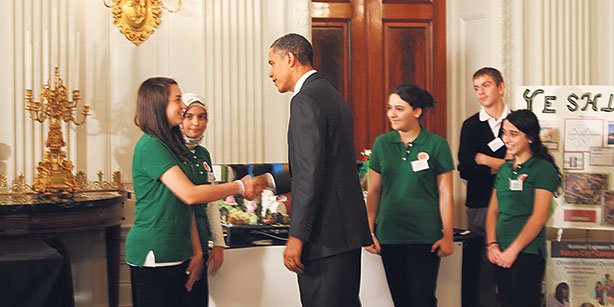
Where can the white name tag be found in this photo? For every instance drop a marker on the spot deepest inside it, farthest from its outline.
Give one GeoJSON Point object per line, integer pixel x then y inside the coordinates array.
{"type": "Point", "coordinates": [495, 144]}
{"type": "Point", "coordinates": [419, 165]}
{"type": "Point", "coordinates": [515, 185]}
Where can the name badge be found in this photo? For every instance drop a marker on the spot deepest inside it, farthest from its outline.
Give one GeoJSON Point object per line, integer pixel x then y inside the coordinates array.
{"type": "Point", "coordinates": [495, 144]}
{"type": "Point", "coordinates": [419, 165]}
{"type": "Point", "coordinates": [422, 162]}
{"type": "Point", "coordinates": [515, 185]}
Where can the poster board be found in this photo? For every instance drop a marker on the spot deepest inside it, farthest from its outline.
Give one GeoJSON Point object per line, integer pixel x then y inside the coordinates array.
{"type": "Point", "coordinates": [578, 128]}
{"type": "Point", "coordinates": [583, 272]}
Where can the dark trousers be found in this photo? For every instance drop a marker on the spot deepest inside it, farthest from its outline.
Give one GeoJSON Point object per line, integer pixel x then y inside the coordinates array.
{"type": "Point", "coordinates": [520, 285]}
{"type": "Point", "coordinates": [411, 272]}
{"type": "Point", "coordinates": [332, 281]}
{"type": "Point", "coordinates": [165, 286]}
{"type": "Point", "coordinates": [482, 289]}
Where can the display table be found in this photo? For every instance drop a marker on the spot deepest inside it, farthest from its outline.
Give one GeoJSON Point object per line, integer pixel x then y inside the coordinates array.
{"type": "Point", "coordinates": [29, 215]}
{"type": "Point", "coordinates": [33, 274]}
{"type": "Point", "coordinates": [255, 276]}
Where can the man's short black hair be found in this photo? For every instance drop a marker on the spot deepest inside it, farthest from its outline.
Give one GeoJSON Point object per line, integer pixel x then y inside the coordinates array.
{"type": "Point", "coordinates": [296, 44]}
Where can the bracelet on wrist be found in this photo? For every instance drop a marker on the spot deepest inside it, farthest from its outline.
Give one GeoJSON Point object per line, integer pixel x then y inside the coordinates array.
{"type": "Point", "coordinates": [493, 243]}
{"type": "Point", "coordinates": [241, 187]}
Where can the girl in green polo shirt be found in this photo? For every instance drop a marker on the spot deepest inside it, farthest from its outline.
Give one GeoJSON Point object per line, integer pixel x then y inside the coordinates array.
{"type": "Point", "coordinates": [163, 246]}
{"type": "Point", "coordinates": [196, 119]}
{"type": "Point", "coordinates": [518, 211]}
{"type": "Point", "coordinates": [410, 196]}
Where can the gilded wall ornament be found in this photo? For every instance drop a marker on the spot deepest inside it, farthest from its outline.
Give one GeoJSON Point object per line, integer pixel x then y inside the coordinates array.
{"type": "Point", "coordinates": [138, 19]}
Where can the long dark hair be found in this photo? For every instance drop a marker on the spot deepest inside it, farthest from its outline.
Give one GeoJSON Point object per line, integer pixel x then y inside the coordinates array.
{"type": "Point", "coordinates": [558, 293]}
{"type": "Point", "coordinates": [150, 116]}
{"type": "Point", "coordinates": [527, 122]}
{"type": "Point", "coordinates": [415, 96]}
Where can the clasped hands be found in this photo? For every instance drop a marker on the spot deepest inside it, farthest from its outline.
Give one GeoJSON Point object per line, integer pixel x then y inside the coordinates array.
{"type": "Point", "coordinates": [504, 259]}
{"type": "Point", "coordinates": [255, 185]}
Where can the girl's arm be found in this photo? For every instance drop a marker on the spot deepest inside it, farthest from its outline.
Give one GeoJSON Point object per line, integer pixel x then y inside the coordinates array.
{"type": "Point", "coordinates": [530, 230]}
{"type": "Point", "coordinates": [196, 263]}
{"type": "Point", "coordinates": [216, 257]}
{"type": "Point", "coordinates": [373, 197]}
{"type": "Point", "coordinates": [446, 211]}
{"type": "Point", "coordinates": [176, 181]}
{"type": "Point", "coordinates": [492, 246]}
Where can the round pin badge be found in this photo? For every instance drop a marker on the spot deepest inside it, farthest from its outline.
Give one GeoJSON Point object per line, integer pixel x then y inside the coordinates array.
{"type": "Point", "coordinates": [423, 156]}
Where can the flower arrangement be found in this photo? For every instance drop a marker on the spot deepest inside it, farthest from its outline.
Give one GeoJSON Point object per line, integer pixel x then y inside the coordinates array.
{"type": "Point", "coordinates": [363, 172]}
{"type": "Point", "coordinates": [365, 154]}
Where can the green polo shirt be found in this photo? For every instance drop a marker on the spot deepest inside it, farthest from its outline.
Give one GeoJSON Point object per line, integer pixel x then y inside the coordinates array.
{"type": "Point", "coordinates": [515, 207]}
{"type": "Point", "coordinates": [196, 170]}
{"type": "Point", "coordinates": [162, 221]}
{"type": "Point", "coordinates": [409, 198]}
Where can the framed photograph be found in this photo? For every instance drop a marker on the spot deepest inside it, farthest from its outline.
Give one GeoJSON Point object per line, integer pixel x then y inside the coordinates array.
{"type": "Point", "coordinates": [582, 134]}
{"type": "Point", "coordinates": [603, 156]}
{"type": "Point", "coordinates": [610, 133]}
{"type": "Point", "coordinates": [580, 215]}
{"type": "Point", "coordinates": [573, 160]}
{"type": "Point", "coordinates": [607, 208]}
{"type": "Point", "coordinates": [549, 135]}
{"type": "Point", "coordinates": [585, 188]}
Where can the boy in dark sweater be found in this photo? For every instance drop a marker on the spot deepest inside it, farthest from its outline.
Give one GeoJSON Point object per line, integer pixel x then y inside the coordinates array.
{"type": "Point", "coordinates": [480, 154]}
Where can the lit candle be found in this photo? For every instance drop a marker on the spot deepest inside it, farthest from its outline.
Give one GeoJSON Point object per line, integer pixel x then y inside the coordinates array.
{"type": "Point", "coordinates": [45, 55]}
{"type": "Point", "coordinates": [54, 38]}
{"type": "Point", "coordinates": [37, 64]}
{"type": "Point", "coordinates": [77, 48]}
{"type": "Point", "coordinates": [28, 56]}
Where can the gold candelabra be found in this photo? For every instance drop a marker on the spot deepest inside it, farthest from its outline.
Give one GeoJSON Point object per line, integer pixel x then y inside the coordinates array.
{"type": "Point", "coordinates": [54, 173]}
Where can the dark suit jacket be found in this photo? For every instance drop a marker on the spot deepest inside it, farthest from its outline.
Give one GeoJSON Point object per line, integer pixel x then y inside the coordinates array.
{"type": "Point", "coordinates": [328, 211]}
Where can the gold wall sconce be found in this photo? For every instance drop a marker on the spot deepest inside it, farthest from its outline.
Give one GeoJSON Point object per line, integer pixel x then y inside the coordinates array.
{"type": "Point", "coordinates": [138, 19]}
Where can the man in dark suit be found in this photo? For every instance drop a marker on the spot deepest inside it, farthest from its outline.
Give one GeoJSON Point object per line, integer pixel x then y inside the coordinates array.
{"type": "Point", "coordinates": [328, 217]}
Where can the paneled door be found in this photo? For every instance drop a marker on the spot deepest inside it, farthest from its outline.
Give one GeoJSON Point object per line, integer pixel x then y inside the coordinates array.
{"type": "Point", "coordinates": [368, 47]}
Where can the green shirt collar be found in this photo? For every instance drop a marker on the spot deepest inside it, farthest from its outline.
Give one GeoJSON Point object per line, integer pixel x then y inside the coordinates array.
{"type": "Point", "coordinates": [420, 139]}
{"type": "Point", "coordinates": [527, 163]}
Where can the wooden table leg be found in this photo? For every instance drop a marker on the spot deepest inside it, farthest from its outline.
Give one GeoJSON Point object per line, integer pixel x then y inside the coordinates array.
{"type": "Point", "coordinates": [113, 239]}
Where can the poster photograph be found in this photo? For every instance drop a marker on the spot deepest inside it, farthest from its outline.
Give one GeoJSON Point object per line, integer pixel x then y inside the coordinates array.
{"type": "Point", "coordinates": [573, 160]}
{"type": "Point", "coordinates": [610, 133]}
{"type": "Point", "coordinates": [585, 188]}
{"type": "Point", "coordinates": [580, 273]}
{"type": "Point", "coordinates": [582, 134]}
{"type": "Point", "coordinates": [607, 208]}
{"type": "Point", "coordinates": [602, 156]}
{"type": "Point", "coordinates": [549, 134]}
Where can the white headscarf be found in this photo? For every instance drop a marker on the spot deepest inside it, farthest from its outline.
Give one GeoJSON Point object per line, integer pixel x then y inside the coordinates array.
{"type": "Point", "coordinates": [191, 99]}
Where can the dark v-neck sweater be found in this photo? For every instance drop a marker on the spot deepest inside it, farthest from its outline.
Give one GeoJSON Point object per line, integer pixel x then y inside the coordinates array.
{"type": "Point", "coordinates": [475, 136]}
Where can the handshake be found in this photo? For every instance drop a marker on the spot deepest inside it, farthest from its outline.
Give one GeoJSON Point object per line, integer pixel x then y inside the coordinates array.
{"type": "Point", "coordinates": [253, 186]}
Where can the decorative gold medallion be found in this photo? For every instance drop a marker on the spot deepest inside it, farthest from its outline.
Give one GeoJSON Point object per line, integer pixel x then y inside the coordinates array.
{"type": "Point", "coordinates": [136, 19]}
